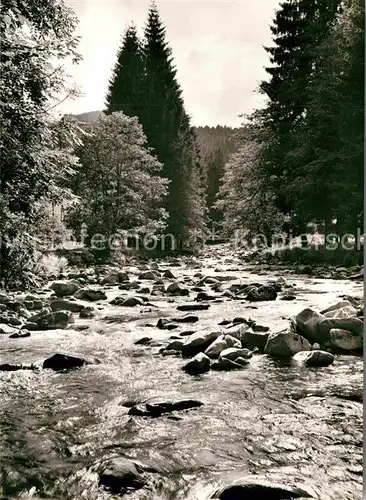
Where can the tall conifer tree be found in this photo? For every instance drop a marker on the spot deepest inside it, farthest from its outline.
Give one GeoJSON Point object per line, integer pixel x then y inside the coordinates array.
{"type": "Point", "coordinates": [298, 29]}
{"type": "Point", "coordinates": [125, 91]}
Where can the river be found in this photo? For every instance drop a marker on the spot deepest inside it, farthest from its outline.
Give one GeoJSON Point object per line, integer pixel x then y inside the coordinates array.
{"type": "Point", "coordinates": [276, 420]}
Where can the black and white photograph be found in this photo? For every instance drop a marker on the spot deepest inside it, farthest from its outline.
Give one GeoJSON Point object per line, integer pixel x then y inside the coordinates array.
{"type": "Point", "coordinates": [182, 249]}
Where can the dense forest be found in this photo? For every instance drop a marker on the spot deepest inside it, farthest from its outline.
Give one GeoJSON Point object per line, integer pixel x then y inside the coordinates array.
{"type": "Point", "coordinates": [141, 170]}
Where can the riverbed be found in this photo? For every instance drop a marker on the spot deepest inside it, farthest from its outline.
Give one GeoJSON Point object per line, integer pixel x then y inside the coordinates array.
{"type": "Point", "coordinates": [275, 420]}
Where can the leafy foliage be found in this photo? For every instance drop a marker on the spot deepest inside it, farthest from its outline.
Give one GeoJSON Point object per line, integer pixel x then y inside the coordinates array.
{"type": "Point", "coordinates": [248, 208]}
{"type": "Point", "coordinates": [35, 151]}
{"type": "Point", "coordinates": [118, 182]}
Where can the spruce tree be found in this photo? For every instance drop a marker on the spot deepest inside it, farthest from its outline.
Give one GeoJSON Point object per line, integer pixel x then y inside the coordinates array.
{"type": "Point", "coordinates": [125, 91]}
{"type": "Point", "coordinates": [169, 133]}
{"type": "Point", "coordinates": [298, 29]}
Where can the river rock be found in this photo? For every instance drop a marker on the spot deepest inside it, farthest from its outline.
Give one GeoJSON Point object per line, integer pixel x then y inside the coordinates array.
{"type": "Point", "coordinates": [262, 293]}
{"type": "Point", "coordinates": [149, 275]}
{"type": "Point", "coordinates": [8, 367]}
{"type": "Point", "coordinates": [199, 342]}
{"type": "Point", "coordinates": [339, 305]}
{"type": "Point", "coordinates": [187, 318]}
{"type": "Point", "coordinates": [119, 474]}
{"type": "Point", "coordinates": [176, 289]}
{"type": "Point", "coordinates": [354, 325]}
{"type": "Point", "coordinates": [306, 323]}
{"type": "Point", "coordinates": [168, 274]}
{"type": "Point", "coordinates": [4, 299]}
{"type": "Point", "coordinates": [115, 278]}
{"type": "Point", "coordinates": [232, 341]}
{"type": "Point", "coordinates": [64, 288]}
{"type": "Point", "coordinates": [88, 312]}
{"type": "Point", "coordinates": [66, 305]}
{"type": "Point", "coordinates": [59, 362]}
{"type": "Point", "coordinates": [132, 302]}
{"type": "Point", "coordinates": [43, 312]}
{"type": "Point", "coordinates": [344, 312]}
{"type": "Point", "coordinates": [204, 296]}
{"type": "Point", "coordinates": [176, 345]}
{"type": "Point", "coordinates": [314, 358]}
{"type": "Point", "coordinates": [199, 364]}
{"type": "Point", "coordinates": [345, 340]}
{"type": "Point", "coordinates": [13, 320]}
{"type": "Point", "coordinates": [143, 341]}
{"type": "Point", "coordinates": [90, 294]}
{"type": "Point", "coordinates": [20, 334]}
{"type": "Point", "coordinates": [32, 327]}
{"type": "Point", "coordinates": [214, 350]}
{"type": "Point", "coordinates": [285, 344]}
{"type": "Point", "coordinates": [166, 324]}
{"type": "Point", "coordinates": [6, 329]}
{"type": "Point", "coordinates": [251, 339]}
{"type": "Point", "coordinates": [193, 307]}
{"type": "Point", "coordinates": [232, 353]}
{"type": "Point", "coordinates": [54, 320]}
{"type": "Point", "coordinates": [255, 489]}
{"type": "Point", "coordinates": [157, 409]}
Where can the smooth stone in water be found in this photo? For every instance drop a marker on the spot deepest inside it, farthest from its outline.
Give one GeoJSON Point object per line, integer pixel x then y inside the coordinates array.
{"type": "Point", "coordinates": [59, 362]}
{"type": "Point", "coordinates": [345, 340]}
{"type": "Point", "coordinates": [314, 358]}
{"type": "Point", "coordinates": [64, 288]}
{"type": "Point", "coordinates": [193, 307]}
{"type": "Point", "coordinates": [232, 353]}
{"type": "Point", "coordinates": [157, 409]}
{"type": "Point", "coordinates": [199, 342]}
{"type": "Point", "coordinates": [199, 364]}
{"type": "Point", "coordinates": [255, 489]}
{"type": "Point", "coordinates": [120, 474]}
{"type": "Point", "coordinates": [285, 344]}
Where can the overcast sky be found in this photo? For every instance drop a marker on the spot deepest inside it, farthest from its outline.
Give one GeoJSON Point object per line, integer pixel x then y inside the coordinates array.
{"type": "Point", "coordinates": [217, 47]}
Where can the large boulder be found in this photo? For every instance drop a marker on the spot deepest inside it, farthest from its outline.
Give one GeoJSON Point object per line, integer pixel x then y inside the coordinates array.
{"type": "Point", "coordinates": [59, 362]}
{"type": "Point", "coordinates": [261, 293]}
{"type": "Point", "coordinates": [54, 320]}
{"type": "Point", "coordinates": [255, 489]}
{"type": "Point", "coordinates": [354, 325]}
{"type": "Point", "coordinates": [199, 364]}
{"type": "Point", "coordinates": [251, 339]}
{"type": "Point", "coordinates": [199, 342]}
{"type": "Point", "coordinates": [306, 323]}
{"type": "Point", "coordinates": [285, 344]}
{"type": "Point", "coordinates": [345, 340]}
{"type": "Point", "coordinates": [64, 288]}
{"type": "Point", "coordinates": [314, 358]}
{"type": "Point", "coordinates": [120, 474]}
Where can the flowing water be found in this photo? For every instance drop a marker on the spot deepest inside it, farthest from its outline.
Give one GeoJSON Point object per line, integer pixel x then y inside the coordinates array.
{"type": "Point", "coordinates": [276, 420]}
